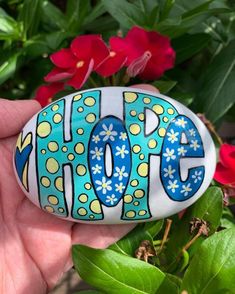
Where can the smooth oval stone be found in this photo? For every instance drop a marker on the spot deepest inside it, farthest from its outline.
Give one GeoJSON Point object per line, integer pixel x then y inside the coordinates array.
{"type": "Point", "coordinates": [114, 155]}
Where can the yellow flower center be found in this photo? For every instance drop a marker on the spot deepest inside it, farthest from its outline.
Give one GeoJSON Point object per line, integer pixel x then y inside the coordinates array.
{"type": "Point", "coordinates": [80, 64]}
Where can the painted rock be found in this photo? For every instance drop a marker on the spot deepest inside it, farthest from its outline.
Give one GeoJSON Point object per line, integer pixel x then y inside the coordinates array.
{"type": "Point", "coordinates": [114, 155]}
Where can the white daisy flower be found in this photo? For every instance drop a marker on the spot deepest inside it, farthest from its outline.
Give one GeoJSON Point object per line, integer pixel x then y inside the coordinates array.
{"type": "Point", "coordinates": [181, 122]}
{"type": "Point", "coordinates": [95, 138]}
{"type": "Point", "coordinates": [169, 154]}
{"type": "Point", "coordinates": [108, 132]}
{"type": "Point", "coordinates": [97, 153]}
{"type": "Point", "coordinates": [172, 185]}
{"type": "Point", "coordinates": [192, 132]}
{"type": "Point", "coordinates": [112, 199]}
{"type": "Point", "coordinates": [182, 151]}
{"type": "Point", "coordinates": [197, 176]}
{"type": "Point", "coordinates": [186, 189]}
{"type": "Point", "coordinates": [121, 151]}
{"type": "Point", "coordinates": [120, 187]}
{"type": "Point", "coordinates": [96, 169]}
{"type": "Point", "coordinates": [123, 136]}
{"type": "Point", "coordinates": [172, 136]}
{"type": "Point", "coordinates": [104, 185]}
{"type": "Point", "coordinates": [194, 144]}
{"type": "Point", "coordinates": [120, 173]}
{"type": "Point", "coordinates": [169, 172]}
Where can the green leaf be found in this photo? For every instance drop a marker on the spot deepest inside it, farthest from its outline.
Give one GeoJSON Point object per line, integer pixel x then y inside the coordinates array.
{"type": "Point", "coordinates": [76, 11]}
{"type": "Point", "coordinates": [89, 292]}
{"type": "Point", "coordinates": [209, 208]}
{"type": "Point", "coordinates": [171, 285]}
{"type": "Point", "coordinates": [9, 28]}
{"type": "Point", "coordinates": [153, 228]}
{"type": "Point", "coordinates": [30, 15]}
{"type": "Point", "coordinates": [125, 13]}
{"type": "Point", "coordinates": [164, 86]}
{"type": "Point", "coordinates": [184, 98]}
{"type": "Point", "coordinates": [188, 45]}
{"type": "Point", "coordinates": [96, 12]}
{"type": "Point", "coordinates": [8, 67]}
{"type": "Point", "coordinates": [212, 269]}
{"type": "Point", "coordinates": [53, 16]}
{"type": "Point", "coordinates": [129, 243]}
{"type": "Point", "coordinates": [227, 220]}
{"type": "Point", "coordinates": [217, 85]}
{"type": "Point", "coordinates": [115, 273]}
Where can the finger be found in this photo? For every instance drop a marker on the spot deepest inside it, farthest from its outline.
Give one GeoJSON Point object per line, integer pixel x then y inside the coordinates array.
{"type": "Point", "coordinates": [146, 87]}
{"type": "Point", "coordinates": [15, 114]}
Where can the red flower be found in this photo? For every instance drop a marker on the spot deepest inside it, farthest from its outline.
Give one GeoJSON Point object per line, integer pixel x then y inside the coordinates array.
{"type": "Point", "coordinates": [75, 64]}
{"type": "Point", "coordinates": [149, 54]}
{"type": "Point", "coordinates": [45, 93]}
{"type": "Point", "coordinates": [225, 169]}
{"type": "Point", "coordinates": [115, 61]}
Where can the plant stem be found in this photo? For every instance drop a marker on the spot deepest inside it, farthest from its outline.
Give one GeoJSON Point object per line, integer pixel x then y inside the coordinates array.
{"type": "Point", "coordinates": [166, 232]}
{"type": "Point", "coordinates": [93, 82]}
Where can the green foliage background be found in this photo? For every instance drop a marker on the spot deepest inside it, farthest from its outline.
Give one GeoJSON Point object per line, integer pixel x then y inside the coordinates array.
{"type": "Point", "coordinates": [203, 36]}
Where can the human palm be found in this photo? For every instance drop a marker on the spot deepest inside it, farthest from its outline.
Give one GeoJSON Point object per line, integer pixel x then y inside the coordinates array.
{"type": "Point", "coordinates": [34, 245]}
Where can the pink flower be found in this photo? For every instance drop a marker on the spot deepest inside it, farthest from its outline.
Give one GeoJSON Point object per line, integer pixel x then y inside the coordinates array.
{"type": "Point", "coordinates": [75, 64]}
{"type": "Point", "coordinates": [149, 54]}
{"type": "Point", "coordinates": [115, 61]}
{"type": "Point", "coordinates": [45, 93]}
{"type": "Point", "coordinates": [225, 169]}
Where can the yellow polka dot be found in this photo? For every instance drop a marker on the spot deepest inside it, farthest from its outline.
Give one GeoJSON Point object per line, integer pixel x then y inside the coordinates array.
{"type": "Point", "coordinates": [80, 109]}
{"type": "Point", "coordinates": [81, 170]}
{"type": "Point", "coordinates": [89, 101]}
{"type": "Point", "coordinates": [134, 183]}
{"type": "Point", "coordinates": [128, 198]}
{"type": "Point", "coordinates": [152, 143]}
{"type": "Point", "coordinates": [130, 213]}
{"type": "Point", "coordinates": [53, 146]}
{"type": "Point", "coordinates": [139, 193]}
{"type": "Point", "coordinates": [80, 131]}
{"type": "Point", "coordinates": [136, 148]}
{"type": "Point", "coordinates": [43, 129]}
{"type": "Point", "coordinates": [91, 216]}
{"type": "Point", "coordinates": [43, 151]}
{"type": "Point", "coordinates": [83, 198]}
{"type": "Point", "coordinates": [87, 186]}
{"type": "Point", "coordinates": [53, 200]}
{"type": "Point", "coordinates": [135, 129]}
{"type": "Point", "coordinates": [130, 97]}
{"type": "Point", "coordinates": [61, 209]}
{"type": "Point", "coordinates": [52, 165]}
{"type": "Point", "coordinates": [77, 97]}
{"type": "Point", "coordinates": [64, 149]}
{"type": "Point", "coordinates": [136, 203]}
{"type": "Point", "coordinates": [90, 117]}
{"type": "Point", "coordinates": [147, 100]}
{"type": "Point", "coordinates": [141, 116]}
{"type": "Point", "coordinates": [71, 156]}
{"type": "Point", "coordinates": [82, 211]}
{"type": "Point", "coordinates": [143, 169]}
{"type": "Point", "coordinates": [142, 212]}
{"type": "Point", "coordinates": [170, 111]}
{"type": "Point", "coordinates": [59, 184]}
{"type": "Point", "coordinates": [95, 206]}
{"type": "Point", "coordinates": [133, 113]}
{"type": "Point", "coordinates": [165, 119]}
{"type": "Point", "coordinates": [79, 148]}
{"type": "Point", "coordinates": [141, 156]}
{"type": "Point", "coordinates": [162, 132]}
{"type": "Point", "coordinates": [55, 107]}
{"type": "Point", "coordinates": [49, 209]}
{"type": "Point", "coordinates": [45, 181]}
{"type": "Point", "coordinates": [57, 118]}
{"type": "Point", "coordinates": [44, 113]}
{"type": "Point", "coordinates": [158, 109]}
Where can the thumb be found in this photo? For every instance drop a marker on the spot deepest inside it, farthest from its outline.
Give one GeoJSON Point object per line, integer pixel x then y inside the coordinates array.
{"type": "Point", "coordinates": [15, 114]}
